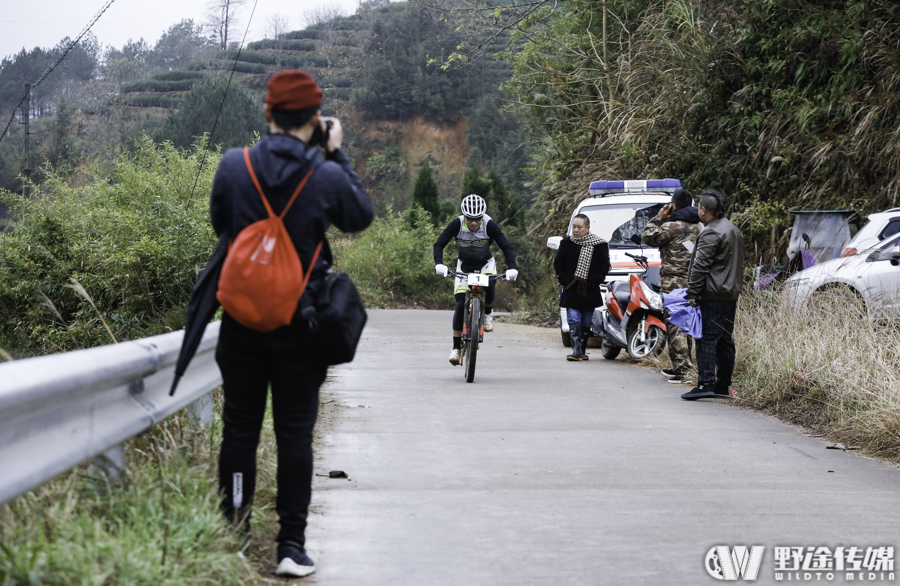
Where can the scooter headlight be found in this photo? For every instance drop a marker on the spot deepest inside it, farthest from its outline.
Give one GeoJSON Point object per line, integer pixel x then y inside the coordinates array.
{"type": "Point", "coordinates": [653, 298]}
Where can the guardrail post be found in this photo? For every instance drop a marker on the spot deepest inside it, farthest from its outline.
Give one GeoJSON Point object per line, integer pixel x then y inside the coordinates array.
{"type": "Point", "coordinates": [202, 410]}
{"type": "Point", "coordinates": [111, 465]}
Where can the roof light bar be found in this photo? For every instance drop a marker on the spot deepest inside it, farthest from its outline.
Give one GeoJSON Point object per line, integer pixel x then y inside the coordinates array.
{"type": "Point", "coordinates": [607, 187]}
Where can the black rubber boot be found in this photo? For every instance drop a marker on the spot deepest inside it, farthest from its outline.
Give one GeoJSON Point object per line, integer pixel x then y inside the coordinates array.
{"type": "Point", "coordinates": [575, 334]}
{"type": "Point", "coordinates": [584, 341]}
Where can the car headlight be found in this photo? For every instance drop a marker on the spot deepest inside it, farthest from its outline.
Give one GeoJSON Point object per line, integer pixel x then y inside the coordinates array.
{"type": "Point", "coordinates": [653, 298]}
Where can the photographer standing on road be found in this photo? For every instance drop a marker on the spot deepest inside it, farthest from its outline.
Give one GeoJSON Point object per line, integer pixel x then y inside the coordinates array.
{"type": "Point", "coordinates": [676, 223]}
{"type": "Point", "coordinates": [715, 281]}
{"type": "Point", "coordinates": [250, 359]}
{"type": "Point", "coordinates": [581, 265]}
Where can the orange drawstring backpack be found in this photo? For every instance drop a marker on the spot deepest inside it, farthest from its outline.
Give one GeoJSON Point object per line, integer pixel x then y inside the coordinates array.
{"type": "Point", "coordinates": [262, 278]}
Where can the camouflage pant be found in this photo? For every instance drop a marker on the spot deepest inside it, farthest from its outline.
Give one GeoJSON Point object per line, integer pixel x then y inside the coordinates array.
{"type": "Point", "coordinates": [680, 345]}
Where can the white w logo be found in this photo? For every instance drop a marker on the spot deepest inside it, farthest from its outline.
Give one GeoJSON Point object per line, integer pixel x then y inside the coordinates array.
{"type": "Point", "coordinates": [724, 563]}
{"type": "Point", "coordinates": [266, 247]}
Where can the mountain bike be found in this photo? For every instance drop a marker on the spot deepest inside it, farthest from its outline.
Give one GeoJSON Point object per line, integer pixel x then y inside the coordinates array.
{"type": "Point", "coordinates": [473, 318]}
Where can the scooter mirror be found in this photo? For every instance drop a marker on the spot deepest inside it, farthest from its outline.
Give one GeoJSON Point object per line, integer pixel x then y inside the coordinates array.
{"type": "Point", "coordinates": [636, 239]}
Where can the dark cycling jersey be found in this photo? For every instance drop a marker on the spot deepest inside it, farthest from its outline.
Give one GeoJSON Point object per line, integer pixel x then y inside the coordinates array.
{"type": "Point", "coordinates": [474, 247]}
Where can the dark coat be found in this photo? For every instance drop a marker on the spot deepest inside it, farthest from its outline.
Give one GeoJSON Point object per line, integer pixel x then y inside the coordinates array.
{"type": "Point", "coordinates": [333, 195]}
{"type": "Point", "coordinates": [565, 264]}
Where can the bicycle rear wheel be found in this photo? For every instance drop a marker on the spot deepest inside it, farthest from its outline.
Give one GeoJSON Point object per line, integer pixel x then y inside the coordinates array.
{"type": "Point", "coordinates": [474, 327]}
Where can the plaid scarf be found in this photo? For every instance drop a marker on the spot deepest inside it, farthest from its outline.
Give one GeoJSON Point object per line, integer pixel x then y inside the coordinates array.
{"type": "Point", "coordinates": [587, 244]}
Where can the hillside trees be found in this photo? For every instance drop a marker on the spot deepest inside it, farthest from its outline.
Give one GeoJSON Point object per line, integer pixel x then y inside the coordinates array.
{"type": "Point", "coordinates": [425, 192]}
{"type": "Point", "coordinates": [29, 66]}
{"type": "Point", "coordinates": [128, 64]}
{"type": "Point", "coordinates": [236, 115]}
{"type": "Point", "coordinates": [128, 233]}
{"type": "Point", "coordinates": [503, 203]}
{"type": "Point", "coordinates": [781, 104]}
{"type": "Point", "coordinates": [222, 16]}
{"type": "Point", "coordinates": [179, 45]}
{"type": "Point", "coordinates": [401, 78]}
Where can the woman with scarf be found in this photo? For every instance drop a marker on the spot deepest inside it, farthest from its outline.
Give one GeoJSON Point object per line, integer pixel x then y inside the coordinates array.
{"type": "Point", "coordinates": [581, 264]}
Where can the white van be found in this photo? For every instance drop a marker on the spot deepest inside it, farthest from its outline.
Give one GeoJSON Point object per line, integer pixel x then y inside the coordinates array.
{"type": "Point", "coordinates": [618, 210]}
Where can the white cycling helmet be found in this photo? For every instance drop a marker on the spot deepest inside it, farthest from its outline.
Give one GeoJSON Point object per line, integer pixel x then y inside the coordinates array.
{"type": "Point", "coordinates": [473, 206]}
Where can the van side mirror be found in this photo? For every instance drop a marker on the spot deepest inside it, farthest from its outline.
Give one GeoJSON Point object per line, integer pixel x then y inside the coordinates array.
{"type": "Point", "coordinates": [553, 242]}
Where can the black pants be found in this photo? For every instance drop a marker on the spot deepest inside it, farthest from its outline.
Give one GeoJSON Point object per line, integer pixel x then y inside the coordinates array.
{"type": "Point", "coordinates": [715, 350]}
{"type": "Point", "coordinates": [250, 361]}
{"type": "Point", "coordinates": [461, 300]}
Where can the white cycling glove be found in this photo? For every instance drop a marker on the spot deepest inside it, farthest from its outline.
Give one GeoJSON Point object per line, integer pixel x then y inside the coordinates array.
{"type": "Point", "coordinates": [512, 274]}
{"type": "Point", "coordinates": [441, 270]}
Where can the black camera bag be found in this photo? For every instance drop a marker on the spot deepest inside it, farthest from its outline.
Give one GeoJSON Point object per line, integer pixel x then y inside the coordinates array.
{"type": "Point", "coordinates": [336, 320]}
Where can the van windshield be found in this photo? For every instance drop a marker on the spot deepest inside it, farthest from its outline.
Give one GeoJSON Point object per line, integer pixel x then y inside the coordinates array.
{"type": "Point", "coordinates": [616, 223]}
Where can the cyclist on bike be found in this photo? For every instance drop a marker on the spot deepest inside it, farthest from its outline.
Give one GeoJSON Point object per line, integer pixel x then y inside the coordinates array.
{"type": "Point", "coordinates": [474, 231]}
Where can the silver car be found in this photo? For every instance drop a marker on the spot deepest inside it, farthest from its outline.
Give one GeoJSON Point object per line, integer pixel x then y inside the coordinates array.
{"type": "Point", "coordinates": [873, 274]}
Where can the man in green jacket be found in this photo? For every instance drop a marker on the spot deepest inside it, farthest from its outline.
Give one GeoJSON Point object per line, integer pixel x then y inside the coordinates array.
{"type": "Point", "coordinates": [674, 231]}
{"type": "Point", "coordinates": [716, 276]}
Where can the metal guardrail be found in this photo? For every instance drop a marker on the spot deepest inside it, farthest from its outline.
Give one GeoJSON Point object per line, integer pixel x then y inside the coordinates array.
{"type": "Point", "coordinates": [58, 411]}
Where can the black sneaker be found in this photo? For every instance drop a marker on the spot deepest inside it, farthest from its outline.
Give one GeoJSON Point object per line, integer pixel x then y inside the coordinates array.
{"type": "Point", "coordinates": [668, 373]}
{"type": "Point", "coordinates": [699, 392]}
{"type": "Point", "coordinates": [725, 394]}
{"type": "Point", "coordinates": [293, 561]}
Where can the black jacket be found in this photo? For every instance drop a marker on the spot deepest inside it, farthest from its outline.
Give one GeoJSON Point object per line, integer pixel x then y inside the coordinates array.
{"type": "Point", "coordinates": [717, 264]}
{"type": "Point", "coordinates": [333, 195]}
{"type": "Point", "coordinates": [565, 264]}
{"type": "Point", "coordinates": [495, 234]}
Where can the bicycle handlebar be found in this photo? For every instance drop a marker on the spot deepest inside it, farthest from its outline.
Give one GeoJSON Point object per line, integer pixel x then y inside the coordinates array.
{"type": "Point", "coordinates": [462, 274]}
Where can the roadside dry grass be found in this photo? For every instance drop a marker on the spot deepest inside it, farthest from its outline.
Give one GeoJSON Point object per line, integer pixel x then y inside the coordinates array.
{"type": "Point", "coordinates": [826, 366]}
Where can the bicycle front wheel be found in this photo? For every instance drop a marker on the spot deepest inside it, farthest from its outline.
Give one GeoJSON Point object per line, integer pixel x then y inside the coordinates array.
{"type": "Point", "coordinates": [474, 327]}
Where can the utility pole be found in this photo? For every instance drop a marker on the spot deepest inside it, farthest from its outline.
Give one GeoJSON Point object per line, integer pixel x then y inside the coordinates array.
{"type": "Point", "coordinates": [27, 170]}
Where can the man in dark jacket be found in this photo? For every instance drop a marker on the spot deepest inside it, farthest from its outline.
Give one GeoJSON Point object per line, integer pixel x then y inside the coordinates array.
{"type": "Point", "coordinates": [581, 264]}
{"type": "Point", "coordinates": [251, 360]}
{"type": "Point", "coordinates": [716, 278]}
{"type": "Point", "coordinates": [674, 231]}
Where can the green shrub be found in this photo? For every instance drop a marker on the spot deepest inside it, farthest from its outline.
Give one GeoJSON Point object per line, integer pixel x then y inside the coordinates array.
{"type": "Point", "coordinates": [311, 61]}
{"type": "Point", "coordinates": [249, 56]}
{"type": "Point", "coordinates": [309, 33]}
{"type": "Point", "coordinates": [337, 93]}
{"type": "Point", "coordinates": [347, 23]}
{"type": "Point", "coordinates": [132, 236]}
{"type": "Point", "coordinates": [178, 75]}
{"type": "Point", "coordinates": [153, 85]}
{"type": "Point", "coordinates": [284, 45]}
{"type": "Point", "coordinates": [150, 101]}
{"type": "Point", "coordinates": [328, 82]}
{"type": "Point", "coordinates": [391, 262]}
{"type": "Point", "coordinates": [239, 66]}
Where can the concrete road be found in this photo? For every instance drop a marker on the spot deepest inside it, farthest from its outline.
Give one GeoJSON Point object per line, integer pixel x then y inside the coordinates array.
{"type": "Point", "coordinates": [547, 472]}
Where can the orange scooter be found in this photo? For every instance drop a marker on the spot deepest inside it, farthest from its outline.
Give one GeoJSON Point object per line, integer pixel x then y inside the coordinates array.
{"type": "Point", "coordinates": [632, 317]}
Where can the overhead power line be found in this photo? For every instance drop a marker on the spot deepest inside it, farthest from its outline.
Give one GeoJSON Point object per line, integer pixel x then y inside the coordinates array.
{"type": "Point", "coordinates": [222, 105]}
{"type": "Point", "coordinates": [50, 69]}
